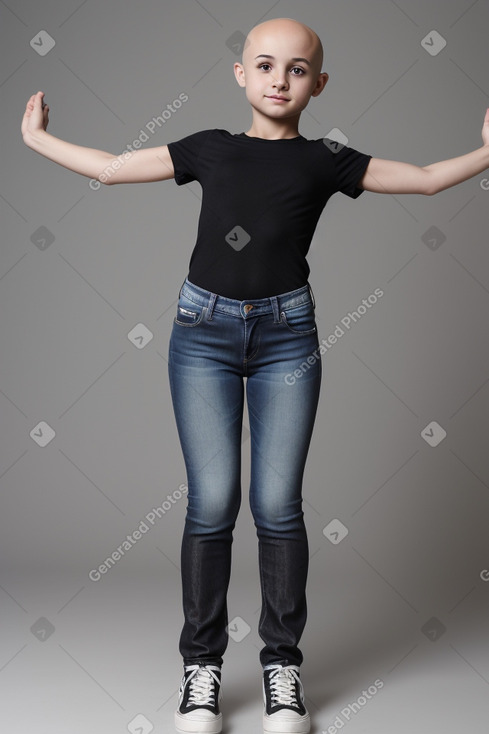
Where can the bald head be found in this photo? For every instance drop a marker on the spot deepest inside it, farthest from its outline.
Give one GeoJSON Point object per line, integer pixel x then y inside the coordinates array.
{"type": "Point", "coordinates": [288, 34]}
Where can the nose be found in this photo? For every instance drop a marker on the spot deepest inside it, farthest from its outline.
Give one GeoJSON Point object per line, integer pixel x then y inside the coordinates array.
{"type": "Point", "coordinates": [279, 79]}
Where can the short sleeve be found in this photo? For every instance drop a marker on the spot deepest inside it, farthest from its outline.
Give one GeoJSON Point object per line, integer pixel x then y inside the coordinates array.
{"type": "Point", "coordinates": [185, 155]}
{"type": "Point", "coordinates": [350, 165]}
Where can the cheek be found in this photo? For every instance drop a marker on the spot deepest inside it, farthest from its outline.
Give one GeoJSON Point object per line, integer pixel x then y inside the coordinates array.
{"type": "Point", "coordinates": [307, 90]}
{"type": "Point", "coordinates": [254, 87]}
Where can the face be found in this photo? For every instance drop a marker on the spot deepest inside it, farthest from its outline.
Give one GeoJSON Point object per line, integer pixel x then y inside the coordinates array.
{"type": "Point", "coordinates": [281, 68]}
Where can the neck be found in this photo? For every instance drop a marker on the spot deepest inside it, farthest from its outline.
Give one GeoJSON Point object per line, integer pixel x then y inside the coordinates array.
{"type": "Point", "coordinates": [269, 129]}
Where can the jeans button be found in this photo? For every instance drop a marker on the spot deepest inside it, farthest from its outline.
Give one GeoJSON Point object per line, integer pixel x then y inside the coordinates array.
{"type": "Point", "coordinates": [247, 308]}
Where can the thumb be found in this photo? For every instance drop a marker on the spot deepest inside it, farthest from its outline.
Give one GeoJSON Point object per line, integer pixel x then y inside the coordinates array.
{"type": "Point", "coordinates": [485, 128]}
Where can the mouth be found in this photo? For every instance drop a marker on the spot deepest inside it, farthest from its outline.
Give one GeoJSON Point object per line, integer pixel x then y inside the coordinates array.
{"type": "Point", "coordinates": [278, 97]}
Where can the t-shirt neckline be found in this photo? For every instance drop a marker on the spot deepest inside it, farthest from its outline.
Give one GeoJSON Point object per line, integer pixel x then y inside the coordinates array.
{"type": "Point", "coordinates": [268, 140]}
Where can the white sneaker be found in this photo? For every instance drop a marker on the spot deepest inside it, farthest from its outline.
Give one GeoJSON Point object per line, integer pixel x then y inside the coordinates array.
{"type": "Point", "coordinates": [198, 700]}
{"type": "Point", "coordinates": [283, 695]}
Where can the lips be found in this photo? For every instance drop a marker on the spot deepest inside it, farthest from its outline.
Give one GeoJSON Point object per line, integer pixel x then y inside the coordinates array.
{"type": "Point", "coordinates": [279, 97]}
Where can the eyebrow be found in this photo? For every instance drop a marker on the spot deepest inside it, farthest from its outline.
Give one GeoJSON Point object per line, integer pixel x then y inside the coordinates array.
{"type": "Point", "coordinates": [297, 58]}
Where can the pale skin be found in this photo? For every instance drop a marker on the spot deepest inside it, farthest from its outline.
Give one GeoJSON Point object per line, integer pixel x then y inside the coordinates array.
{"type": "Point", "coordinates": [280, 72]}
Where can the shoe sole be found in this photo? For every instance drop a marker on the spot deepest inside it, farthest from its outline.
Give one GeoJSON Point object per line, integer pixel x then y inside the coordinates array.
{"type": "Point", "coordinates": [270, 726]}
{"type": "Point", "coordinates": [184, 725]}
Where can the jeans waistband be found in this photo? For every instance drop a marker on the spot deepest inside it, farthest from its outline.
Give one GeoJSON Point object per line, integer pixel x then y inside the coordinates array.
{"type": "Point", "coordinates": [249, 308]}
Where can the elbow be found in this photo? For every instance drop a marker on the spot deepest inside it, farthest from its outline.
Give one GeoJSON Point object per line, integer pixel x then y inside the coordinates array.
{"type": "Point", "coordinates": [431, 190]}
{"type": "Point", "coordinates": [430, 186]}
{"type": "Point", "coordinates": [96, 182]}
{"type": "Point", "coordinates": [104, 179]}
{"type": "Point", "coordinates": [107, 175]}
{"type": "Point", "coordinates": [111, 179]}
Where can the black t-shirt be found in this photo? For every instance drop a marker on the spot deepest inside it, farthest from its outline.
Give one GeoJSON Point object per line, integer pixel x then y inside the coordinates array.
{"type": "Point", "coordinates": [261, 201]}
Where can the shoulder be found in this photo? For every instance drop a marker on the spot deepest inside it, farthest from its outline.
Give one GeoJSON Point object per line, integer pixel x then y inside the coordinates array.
{"type": "Point", "coordinates": [198, 136]}
{"type": "Point", "coordinates": [333, 145]}
{"type": "Point", "coordinates": [203, 138]}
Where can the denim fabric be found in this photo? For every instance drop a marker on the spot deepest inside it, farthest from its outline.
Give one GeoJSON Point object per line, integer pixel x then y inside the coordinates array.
{"type": "Point", "coordinates": [214, 344]}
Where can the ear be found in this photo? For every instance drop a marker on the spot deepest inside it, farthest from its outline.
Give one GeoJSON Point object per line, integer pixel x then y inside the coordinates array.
{"type": "Point", "coordinates": [239, 73]}
{"type": "Point", "coordinates": [321, 82]}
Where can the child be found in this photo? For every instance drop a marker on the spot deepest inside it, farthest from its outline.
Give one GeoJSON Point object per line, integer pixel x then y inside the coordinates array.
{"type": "Point", "coordinates": [246, 310]}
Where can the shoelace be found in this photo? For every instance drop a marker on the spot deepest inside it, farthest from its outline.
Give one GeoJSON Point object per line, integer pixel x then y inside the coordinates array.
{"type": "Point", "coordinates": [282, 685]}
{"type": "Point", "coordinates": [200, 682]}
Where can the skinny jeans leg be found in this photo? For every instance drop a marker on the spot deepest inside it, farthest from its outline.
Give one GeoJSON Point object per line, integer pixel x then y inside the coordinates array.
{"type": "Point", "coordinates": [215, 343]}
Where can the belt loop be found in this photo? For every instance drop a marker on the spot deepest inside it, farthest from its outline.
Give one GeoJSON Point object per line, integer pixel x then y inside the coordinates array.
{"type": "Point", "coordinates": [210, 306]}
{"type": "Point", "coordinates": [275, 309]}
{"type": "Point", "coordinates": [312, 297]}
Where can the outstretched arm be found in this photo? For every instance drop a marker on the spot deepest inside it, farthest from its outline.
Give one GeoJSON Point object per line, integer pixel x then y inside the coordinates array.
{"type": "Point", "coordinates": [394, 177]}
{"type": "Point", "coordinates": [139, 166]}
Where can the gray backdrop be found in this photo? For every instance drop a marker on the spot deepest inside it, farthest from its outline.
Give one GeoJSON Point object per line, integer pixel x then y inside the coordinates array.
{"type": "Point", "coordinates": [397, 483]}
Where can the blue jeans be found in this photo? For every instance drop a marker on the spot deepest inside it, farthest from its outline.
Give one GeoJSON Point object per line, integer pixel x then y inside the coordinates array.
{"type": "Point", "coordinates": [214, 344]}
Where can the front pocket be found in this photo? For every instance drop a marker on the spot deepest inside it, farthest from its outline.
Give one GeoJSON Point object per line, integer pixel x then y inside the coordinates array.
{"type": "Point", "coordinates": [189, 316]}
{"type": "Point", "coordinates": [300, 320]}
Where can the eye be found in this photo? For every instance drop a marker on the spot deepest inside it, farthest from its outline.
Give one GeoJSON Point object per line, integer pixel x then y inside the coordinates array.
{"type": "Point", "coordinates": [263, 65]}
{"type": "Point", "coordinates": [299, 70]}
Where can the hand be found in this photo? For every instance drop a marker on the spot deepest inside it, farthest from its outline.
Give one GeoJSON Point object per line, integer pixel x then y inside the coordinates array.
{"type": "Point", "coordinates": [36, 115]}
{"type": "Point", "coordinates": [485, 129]}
